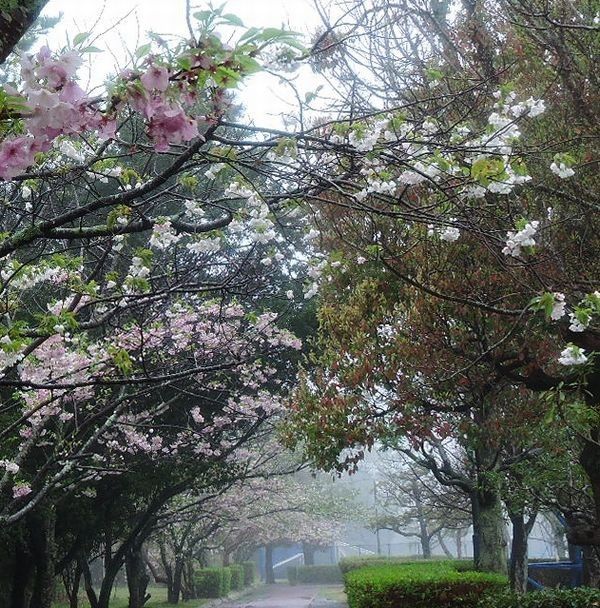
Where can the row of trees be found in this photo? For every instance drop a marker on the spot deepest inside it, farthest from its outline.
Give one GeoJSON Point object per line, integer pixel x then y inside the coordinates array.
{"type": "Point", "coordinates": [442, 204]}
{"type": "Point", "coordinates": [148, 257]}
{"type": "Point", "coordinates": [458, 321]}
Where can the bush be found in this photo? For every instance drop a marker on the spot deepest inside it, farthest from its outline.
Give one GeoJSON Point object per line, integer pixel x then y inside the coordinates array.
{"type": "Point", "coordinates": [249, 573]}
{"type": "Point", "coordinates": [326, 574]}
{"type": "Point", "coordinates": [237, 576]}
{"type": "Point", "coordinates": [209, 582]}
{"type": "Point", "coordinates": [551, 598]}
{"type": "Point", "coordinates": [292, 575]}
{"type": "Point", "coordinates": [354, 563]}
{"type": "Point", "coordinates": [418, 585]}
{"type": "Point", "coordinates": [225, 581]}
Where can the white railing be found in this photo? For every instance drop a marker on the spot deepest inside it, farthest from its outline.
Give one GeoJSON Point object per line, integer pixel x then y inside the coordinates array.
{"type": "Point", "coordinates": [289, 559]}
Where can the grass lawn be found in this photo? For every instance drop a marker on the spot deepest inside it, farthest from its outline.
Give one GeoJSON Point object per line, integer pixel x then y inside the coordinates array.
{"type": "Point", "coordinates": [120, 597]}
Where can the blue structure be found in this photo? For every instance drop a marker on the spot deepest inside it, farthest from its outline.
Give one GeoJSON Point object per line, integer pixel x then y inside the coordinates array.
{"type": "Point", "coordinates": [573, 567]}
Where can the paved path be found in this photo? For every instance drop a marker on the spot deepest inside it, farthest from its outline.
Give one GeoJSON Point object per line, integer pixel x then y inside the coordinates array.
{"type": "Point", "coordinates": [284, 596]}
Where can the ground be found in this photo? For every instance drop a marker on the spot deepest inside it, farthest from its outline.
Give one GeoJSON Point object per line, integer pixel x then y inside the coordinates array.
{"type": "Point", "coordinates": [158, 600]}
{"type": "Point", "coordinates": [264, 596]}
{"type": "Point", "coordinates": [286, 596]}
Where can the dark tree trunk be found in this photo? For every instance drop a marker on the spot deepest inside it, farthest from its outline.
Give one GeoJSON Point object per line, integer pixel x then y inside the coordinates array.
{"type": "Point", "coordinates": [174, 591]}
{"type": "Point", "coordinates": [443, 545]}
{"type": "Point", "coordinates": [43, 549]}
{"type": "Point", "coordinates": [425, 539]}
{"type": "Point", "coordinates": [137, 578]}
{"type": "Point", "coordinates": [489, 543]}
{"type": "Point", "coordinates": [15, 19]}
{"type": "Point", "coordinates": [74, 591]}
{"type": "Point", "coordinates": [188, 588]}
{"type": "Point", "coordinates": [108, 582]}
{"type": "Point", "coordinates": [521, 529]}
{"type": "Point", "coordinates": [591, 566]}
{"type": "Point", "coordinates": [87, 581]}
{"type": "Point", "coordinates": [269, 572]}
{"type": "Point", "coordinates": [22, 574]}
{"type": "Point", "coordinates": [308, 552]}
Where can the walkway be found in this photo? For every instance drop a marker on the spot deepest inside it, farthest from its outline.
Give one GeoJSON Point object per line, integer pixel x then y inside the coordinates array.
{"type": "Point", "coordinates": [286, 596]}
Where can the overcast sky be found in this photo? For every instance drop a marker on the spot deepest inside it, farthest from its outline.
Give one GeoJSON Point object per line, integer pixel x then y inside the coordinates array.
{"type": "Point", "coordinates": [126, 23]}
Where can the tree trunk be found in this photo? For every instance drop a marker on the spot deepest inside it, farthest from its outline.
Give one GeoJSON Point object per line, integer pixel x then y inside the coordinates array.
{"type": "Point", "coordinates": [518, 554]}
{"type": "Point", "coordinates": [108, 582]}
{"type": "Point", "coordinates": [43, 549]}
{"type": "Point", "coordinates": [591, 566]}
{"type": "Point", "coordinates": [269, 572]}
{"type": "Point", "coordinates": [489, 543]}
{"type": "Point", "coordinates": [23, 569]}
{"type": "Point", "coordinates": [443, 545]}
{"type": "Point", "coordinates": [74, 593]}
{"type": "Point", "coordinates": [15, 19]}
{"type": "Point", "coordinates": [188, 588]}
{"type": "Point", "coordinates": [459, 547]}
{"type": "Point", "coordinates": [308, 552]}
{"type": "Point", "coordinates": [174, 590]}
{"type": "Point", "coordinates": [425, 539]}
{"type": "Point", "coordinates": [137, 578]}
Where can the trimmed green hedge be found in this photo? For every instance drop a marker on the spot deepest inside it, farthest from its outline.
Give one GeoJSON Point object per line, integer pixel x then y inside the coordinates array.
{"type": "Point", "coordinates": [354, 563]}
{"type": "Point", "coordinates": [326, 574]}
{"type": "Point", "coordinates": [225, 581]}
{"type": "Point", "coordinates": [552, 598]}
{"type": "Point", "coordinates": [217, 582]}
{"type": "Point", "coordinates": [237, 577]}
{"type": "Point", "coordinates": [292, 575]}
{"type": "Point", "coordinates": [209, 582]}
{"type": "Point", "coordinates": [419, 585]}
{"type": "Point", "coordinates": [249, 573]}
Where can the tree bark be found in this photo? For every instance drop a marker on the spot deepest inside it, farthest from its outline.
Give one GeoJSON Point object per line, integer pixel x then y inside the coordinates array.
{"type": "Point", "coordinates": [269, 572]}
{"type": "Point", "coordinates": [443, 545]}
{"type": "Point", "coordinates": [21, 578]}
{"type": "Point", "coordinates": [43, 549]}
{"type": "Point", "coordinates": [425, 539]}
{"type": "Point", "coordinates": [137, 578]}
{"type": "Point", "coordinates": [489, 543]}
{"type": "Point", "coordinates": [521, 529]}
{"type": "Point", "coordinates": [74, 592]}
{"type": "Point", "coordinates": [15, 20]}
{"type": "Point", "coordinates": [591, 566]}
{"type": "Point", "coordinates": [174, 591]}
{"type": "Point", "coordinates": [459, 547]}
{"type": "Point", "coordinates": [308, 552]}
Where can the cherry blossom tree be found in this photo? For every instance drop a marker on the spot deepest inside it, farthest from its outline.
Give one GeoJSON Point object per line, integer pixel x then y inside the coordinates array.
{"type": "Point", "coordinates": [466, 178]}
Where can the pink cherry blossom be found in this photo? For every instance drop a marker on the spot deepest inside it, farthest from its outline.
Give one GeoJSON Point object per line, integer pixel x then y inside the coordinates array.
{"type": "Point", "coordinates": [155, 78]}
{"type": "Point", "coordinates": [15, 156]}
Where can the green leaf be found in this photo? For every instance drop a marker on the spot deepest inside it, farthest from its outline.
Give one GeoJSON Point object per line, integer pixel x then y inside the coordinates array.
{"type": "Point", "coordinates": [143, 50]}
{"type": "Point", "coordinates": [92, 49]}
{"type": "Point", "coordinates": [81, 37]}
{"type": "Point", "coordinates": [232, 19]}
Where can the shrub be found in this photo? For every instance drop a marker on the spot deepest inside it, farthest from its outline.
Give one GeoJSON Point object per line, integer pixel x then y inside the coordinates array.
{"type": "Point", "coordinates": [249, 573]}
{"type": "Point", "coordinates": [225, 581]}
{"type": "Point", "coordinates": [237, 576]}
{"type": "Point", "coordinates": [552, 598]}
{"type": "Point", "coordinates": [292, 575]}
{"type": "Point", "coordinates": [324, 574]}
{"type": "Point", "coordinates": [418, 585]}
{"type": "Point", "coordinates": [354, 563]}
{"type": "Point", "coordinates": [209, 582]}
